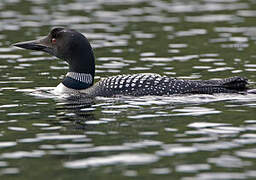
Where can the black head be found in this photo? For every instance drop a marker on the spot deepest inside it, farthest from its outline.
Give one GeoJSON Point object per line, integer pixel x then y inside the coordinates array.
{"type": "Point", "coordinates": [66, 44]}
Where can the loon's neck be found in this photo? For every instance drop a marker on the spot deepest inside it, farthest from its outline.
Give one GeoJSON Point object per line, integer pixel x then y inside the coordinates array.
{"type": "Point", "coordinates": [81, 65]}
{"type": "Point", "coordinates": [78, 81]}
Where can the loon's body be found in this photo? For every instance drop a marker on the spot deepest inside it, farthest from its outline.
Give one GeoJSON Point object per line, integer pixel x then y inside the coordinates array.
{"type": "Point", "coordinates": [74, 48]}
{"type": "Point", "coordinates": [151, 84]}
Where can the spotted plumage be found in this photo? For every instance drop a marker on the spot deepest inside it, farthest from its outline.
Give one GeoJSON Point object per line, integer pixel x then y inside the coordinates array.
{"type": "Point", "coordinates": [154, 84]}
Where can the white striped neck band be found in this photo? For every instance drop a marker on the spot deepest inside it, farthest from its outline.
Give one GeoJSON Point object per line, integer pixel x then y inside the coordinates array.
{"type": "Point", "coordinates": [82, 77]}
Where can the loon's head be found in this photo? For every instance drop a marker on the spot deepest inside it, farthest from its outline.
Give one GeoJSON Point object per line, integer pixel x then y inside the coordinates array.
{"type": "Point", "coordinates": [66, 44]}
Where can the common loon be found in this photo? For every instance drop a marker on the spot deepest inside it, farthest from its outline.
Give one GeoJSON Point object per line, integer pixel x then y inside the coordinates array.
{"type": "Point", "coordinates": [75, 49]}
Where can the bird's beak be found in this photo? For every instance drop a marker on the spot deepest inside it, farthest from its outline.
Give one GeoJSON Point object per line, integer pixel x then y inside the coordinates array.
{"type": "Point", "coordinates": [43, 44]}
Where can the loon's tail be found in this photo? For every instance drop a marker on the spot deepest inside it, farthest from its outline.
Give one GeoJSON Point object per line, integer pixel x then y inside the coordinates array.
{"type": "Point", "coordinates": [228, 85]}
{"type": "Point", "coordinates": [236, 83]}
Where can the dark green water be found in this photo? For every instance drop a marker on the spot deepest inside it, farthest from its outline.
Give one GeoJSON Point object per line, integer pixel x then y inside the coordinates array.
{"type": "Point", "coordinates": [178, 137]}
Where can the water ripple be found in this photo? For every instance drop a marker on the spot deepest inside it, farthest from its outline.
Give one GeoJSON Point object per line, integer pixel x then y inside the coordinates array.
{"type": "Point", "coordinates": [126, 159]}
{"type": "Point", "coordinates": [208, 39]}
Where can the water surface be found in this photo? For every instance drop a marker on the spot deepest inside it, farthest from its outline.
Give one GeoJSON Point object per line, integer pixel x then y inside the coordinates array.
{"type": "Point", "coordinates": [184, 137]}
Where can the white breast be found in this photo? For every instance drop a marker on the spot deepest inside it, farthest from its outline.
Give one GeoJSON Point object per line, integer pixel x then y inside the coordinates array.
{"type": "Point", "coordinates": [61, 89]}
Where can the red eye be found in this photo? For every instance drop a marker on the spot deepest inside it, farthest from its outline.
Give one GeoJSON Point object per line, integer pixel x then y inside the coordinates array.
{"type": "Point", "coordinates": [54, 40]}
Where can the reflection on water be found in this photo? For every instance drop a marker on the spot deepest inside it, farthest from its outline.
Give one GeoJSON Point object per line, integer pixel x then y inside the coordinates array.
{"type": "Point", "coordinates": [128, 159]}
{"type": "Point", "coordinates": [184, 137]}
